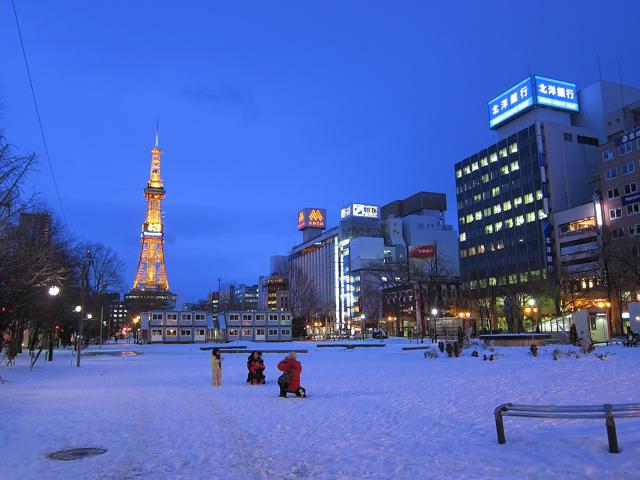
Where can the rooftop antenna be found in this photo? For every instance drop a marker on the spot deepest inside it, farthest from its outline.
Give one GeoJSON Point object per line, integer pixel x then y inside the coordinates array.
{"type": "Point", "coordinates": [157, 125]}
{"type": "Point", "coordinates": [621, 85]}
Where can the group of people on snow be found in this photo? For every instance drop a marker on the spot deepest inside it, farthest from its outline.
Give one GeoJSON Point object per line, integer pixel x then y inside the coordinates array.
{"type": "Point", "coordinates": [289, 381]}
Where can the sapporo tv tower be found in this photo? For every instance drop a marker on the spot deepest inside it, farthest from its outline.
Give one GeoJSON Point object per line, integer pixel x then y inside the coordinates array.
{"type": "Point", "coordinates": [150, 286]}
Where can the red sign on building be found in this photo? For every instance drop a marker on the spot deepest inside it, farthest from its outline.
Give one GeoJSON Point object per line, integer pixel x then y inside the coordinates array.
{"type": "Point", "coordinates": [311, 218]}
{"type": "Point", "coordinates": [423, 251]}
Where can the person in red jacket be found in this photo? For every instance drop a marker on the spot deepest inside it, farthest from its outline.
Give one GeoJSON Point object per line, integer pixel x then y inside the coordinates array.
{"type": "Point", "coordinates": [289, 381]}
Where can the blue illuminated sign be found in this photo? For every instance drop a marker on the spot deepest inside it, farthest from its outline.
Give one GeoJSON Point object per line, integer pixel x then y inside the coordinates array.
{"type": "Point", "coordinates": [530, 92]}
{"type": "Point", "coordinates": [510, 103]}
{"type": "Point", "coordinates": [556, 94]}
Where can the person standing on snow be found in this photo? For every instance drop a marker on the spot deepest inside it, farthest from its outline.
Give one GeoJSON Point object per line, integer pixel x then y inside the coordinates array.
{"type": "Point", "coordinates": [289, 381]}
{"type": "Point", "coordinates": [216, 367]}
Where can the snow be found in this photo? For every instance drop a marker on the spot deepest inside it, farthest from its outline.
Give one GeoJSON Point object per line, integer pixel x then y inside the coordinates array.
{"type": "Point", "coordinates": [371, 413]}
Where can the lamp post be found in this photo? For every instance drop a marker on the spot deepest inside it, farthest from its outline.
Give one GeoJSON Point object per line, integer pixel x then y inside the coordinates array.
{"type": "Point", "coordinates": [434, 315]}
{"type": "Point", "coordinates": [78, 310]}
{"type": "Point", "coordinates": [362, 319]}
{"type": "Point", "coordinates": [53, 291]}
{"type": "Point", "coordinates": [135, 329]}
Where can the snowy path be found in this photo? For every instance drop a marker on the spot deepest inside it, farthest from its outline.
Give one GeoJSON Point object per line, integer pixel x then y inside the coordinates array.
{"type": "Point", "coordinates": [371, 413]}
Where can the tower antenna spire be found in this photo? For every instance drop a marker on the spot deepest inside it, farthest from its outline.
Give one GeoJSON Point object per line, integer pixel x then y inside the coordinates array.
{"type": "Point", "coordinates": [157, 125]}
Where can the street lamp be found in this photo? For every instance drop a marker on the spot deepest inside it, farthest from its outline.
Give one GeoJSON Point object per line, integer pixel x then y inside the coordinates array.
{"type": "Point", "coordinates": [53, 291]}
{"type": "Point", "coordinates": [434, 315]}
{"type": "Point", "coordinates": [362, 318]}
{"type": "Point", "coordinates": [136, 330]}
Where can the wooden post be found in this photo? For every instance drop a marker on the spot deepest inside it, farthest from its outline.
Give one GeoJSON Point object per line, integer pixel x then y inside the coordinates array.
{"type": "Point", "coordinates": [611, 430]}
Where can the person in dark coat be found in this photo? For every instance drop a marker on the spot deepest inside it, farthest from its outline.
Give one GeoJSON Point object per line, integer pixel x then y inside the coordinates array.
{"type": "Point", "coordinates": [573, 334]}
{"type": "Point", "coordinates": [255, 366]}
{"type": "Point", "coordinates": [290, 380]}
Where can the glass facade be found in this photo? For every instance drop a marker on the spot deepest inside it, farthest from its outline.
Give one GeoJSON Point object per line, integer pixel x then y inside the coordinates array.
{"type": "Point", "coordinates": [501, 216]}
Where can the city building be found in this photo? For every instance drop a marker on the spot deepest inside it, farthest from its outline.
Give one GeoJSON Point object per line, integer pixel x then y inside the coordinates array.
{"type": "Point", "coordinates": [150, 286]}
{"type": "Point", "coordinates": [273, 293]}
{"type": "Point", "coordinates": [544, 161]}
{"type": "Point", "coordinates": [117, 315]}
{"type": "Point", "coordinates": [247, 296]}
{"type": "Point", "coordinates": [258, 326]}
{"type": "Point", "coordinates": [174, 326]}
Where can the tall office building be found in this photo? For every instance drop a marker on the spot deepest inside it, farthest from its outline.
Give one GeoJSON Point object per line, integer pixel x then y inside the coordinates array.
{"type": "Point", "coordinates": [545, 161]}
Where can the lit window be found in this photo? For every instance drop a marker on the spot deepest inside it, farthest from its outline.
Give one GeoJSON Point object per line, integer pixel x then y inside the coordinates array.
{"type": "Point", "coordinates": [463, 253]}
{"type": "Point", "coordinates": [485, 178]}
{"type": "Point", "coordinates": [493, 157]}
{"type": "Point", "coordinates": [528, 198]}
{"type": "Point", "coordinates": [463, 236]}
{"type": "Point", "coordinates": [478, 215]}
{"type": "Point", "coordinates": [517, 201]}
{"type": "Point", "coordinates": [487, 212]}
{"type": "Point", "coordinates": [513, 148]}
{"type": "Point", "coordinates": [472, 251]}
{"type": "Point", "coordinates": [541, 215]}
{"type": "Point", "coordinates": [503, 152]}
{"type": "Point", "coordinates": [497, 208]}
{"type": "Point", "coordinates": [514, 166]}
{"type": "Point", "coordinates": [531, 217]}
{"type": "Point", "coordinates": [538, 194]}
{"type": "Point", "coordinates": [458, 173]}
{"type": "Point", "coordinates": [508, 223]}
{"type": "Point", "coordinates": [474, 166]}
{"type": "Point", "coordinates": [488, 229]}
{"type": "Point", "coordinates": [506, 205]}
{"type": "Point", "coordinates": [519, 220]}
{"type": "Point", "coordinates": [480, 248]}
{"type": "Point", "coordinates": [504, 169]}
{"type": "Point", "coordinates": [495, 191]}
{"type": "Point", "coordinates": [467, 169]}
{"type": "Point", "coordinates": [469, 218]}
{"type": "Point", "coordinates": [484, 162]}
{"type": "Point", "coordinates": [477, 197]}
{"type": "Point", "coordinates": [498, 226]}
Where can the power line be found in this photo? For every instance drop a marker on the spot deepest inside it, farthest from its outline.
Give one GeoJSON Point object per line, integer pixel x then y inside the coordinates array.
{"type": "Point", "coordinates": [35, 103]}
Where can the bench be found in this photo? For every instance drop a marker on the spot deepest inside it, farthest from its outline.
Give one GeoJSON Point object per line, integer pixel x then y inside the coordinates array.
{"type": "Point", "coordinates": [235, 347]}
{"type": "Point", "coordinates": [567, 412]}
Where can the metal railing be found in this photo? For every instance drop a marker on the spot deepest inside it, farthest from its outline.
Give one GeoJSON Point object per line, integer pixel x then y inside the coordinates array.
{"type": "Point", "coordinates": [569, 412]}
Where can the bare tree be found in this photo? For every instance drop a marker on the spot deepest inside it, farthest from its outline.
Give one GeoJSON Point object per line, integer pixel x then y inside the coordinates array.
{"type": "Point", "coordinates": [303, 299]}
{"type": "Point", "coordinates": [104, 272]}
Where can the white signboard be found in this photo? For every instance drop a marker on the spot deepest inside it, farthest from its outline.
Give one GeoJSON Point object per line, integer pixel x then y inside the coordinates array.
{"type": "Point", "coordinates": [360, 210]}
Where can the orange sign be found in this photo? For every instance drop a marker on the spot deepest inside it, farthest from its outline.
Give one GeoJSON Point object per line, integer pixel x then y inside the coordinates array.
{"type": "Point", "coordinates": [311, 218]}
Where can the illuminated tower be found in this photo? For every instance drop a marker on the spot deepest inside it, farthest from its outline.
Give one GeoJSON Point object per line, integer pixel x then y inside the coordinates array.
{"type": "Point", "coordinates": [150, 284]}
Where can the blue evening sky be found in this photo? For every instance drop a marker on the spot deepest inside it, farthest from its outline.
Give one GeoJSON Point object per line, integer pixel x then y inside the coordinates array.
{"type": "Point", "coordinates": [269, 107]}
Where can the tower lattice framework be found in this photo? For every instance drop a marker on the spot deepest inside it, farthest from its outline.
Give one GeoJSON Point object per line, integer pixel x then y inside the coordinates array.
{"type": "Point", "coordinates": [151, 273]}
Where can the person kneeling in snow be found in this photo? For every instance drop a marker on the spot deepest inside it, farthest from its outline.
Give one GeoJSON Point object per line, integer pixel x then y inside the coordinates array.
{"type": "Point", "coordinates": [289, 381]}
{"type": "Point", "coordinates": [255, 366]}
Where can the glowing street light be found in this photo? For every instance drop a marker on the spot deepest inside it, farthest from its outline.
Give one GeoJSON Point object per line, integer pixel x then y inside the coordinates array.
{"type": "Point", "coordinates": [89, 316]}
{"type": "Point", "coordinates": [53, 291]}
{"type": "Point", "coordinates": [78, 309]}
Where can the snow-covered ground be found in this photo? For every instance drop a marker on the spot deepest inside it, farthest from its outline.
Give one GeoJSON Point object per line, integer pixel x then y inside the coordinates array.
{"type": "Point", "coordinates": [371, 413]}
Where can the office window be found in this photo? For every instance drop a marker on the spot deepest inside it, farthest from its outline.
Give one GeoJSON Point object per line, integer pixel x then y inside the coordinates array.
{"type": "Point", "coordinates": [285, 331]}
{"type": "Point", "coordinates": [531, 217]}
{"type": "Point", "coordinates": [480, 248]}
{"type": "Point", "coordinates": [273, 316]}
{"type": "Point", "coordinates": [513, 148]}
{"type": "Point", "coordinates": [541, 214]}
{"type": "Point", "coordinates": [615, 213]}
{"type": "Point", "coordinates": [497, 208]}
{"type": "Point", "coordinates": [233, 332]}
{"type": "Point", "coordinates": [608, 155]}
{"type": "Point", "coordinates": [628, 168]}
{"type": "Point", "coordinates": [458, 173]}
{"type": "Point", "coordinates": [495, 191]}
{"type": "Point", "coordinates": [155, 316]}
{"type": "Point", "coordinates": [498, 226]}
{"type": "Point", "coordinates": [172, 316]}
{"type": "Point", "coordinates": [508, 223]}
{"type": "Point", "coordinates": [477, 197]}
{"type": "Point", "coordinates": [185, 332]}
{"type": "Point", "coordinates": [474, 166]}
{"type": "Point", "coordinates": [246, 332]}
{"type": "Point", "coordinates": [200, 332]}
{"type": "Point", "coordinates": [171, 332]}
{"type": "Point", "coordinates": [463, 253]}
{"type": "Point", "coordinates": [286, 317]}
{"type": "Point", "coordinates": [506, 205]}
{"type": "Point", "coordinates": [517, 201]}
{"type": "Point", "coordinates": [519, 220]}
{"type": "Point", "coordinates": [588, 140]}
{"type": "Point", "coordinates": [503, 152]}
{"type": "Point", "coordinates": [624, 148]}
{"type": "Point", "coordinates": [493, 157]}
{"type": "Point", "coordinates": [488, 229]}
{"type": "Point", "coordinates": [463, 236]}
{"type": "Point", "coordinates": [472, 251]}
{"type": "Point", "coordinates": [528, 198]}
{"type": "Point", "coordinates": [633, 209]}
{"type": "Point", "coordinates": [485, 178]}
{"type": "Point", "coordinates": [539, 195]}
{"type": "Point", "coordinates": [484, 162]}
{"type": "Point", "coordinates": [514, 166]}
{"type": "Point", "coordinates": [469, 218]}
{"type": "Point", "coordinates": [185, 316]}
{"type": "Point", "coordinates": [466, 169]}
{"type": "Point", "coordinates": [487, 211]}
{"type": "Point", "coordinates": [234, 316]}
{"type": "Point", "coordinates": [629, 188]}
{"type": "Point", "coordinates": [504, 169]}
{"type": "Point", "coordinates": [200, 316]}
{"type": "Point", "coordinates": [610, 173]}
{"type": "Point", "coordinates": [614, 192]}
